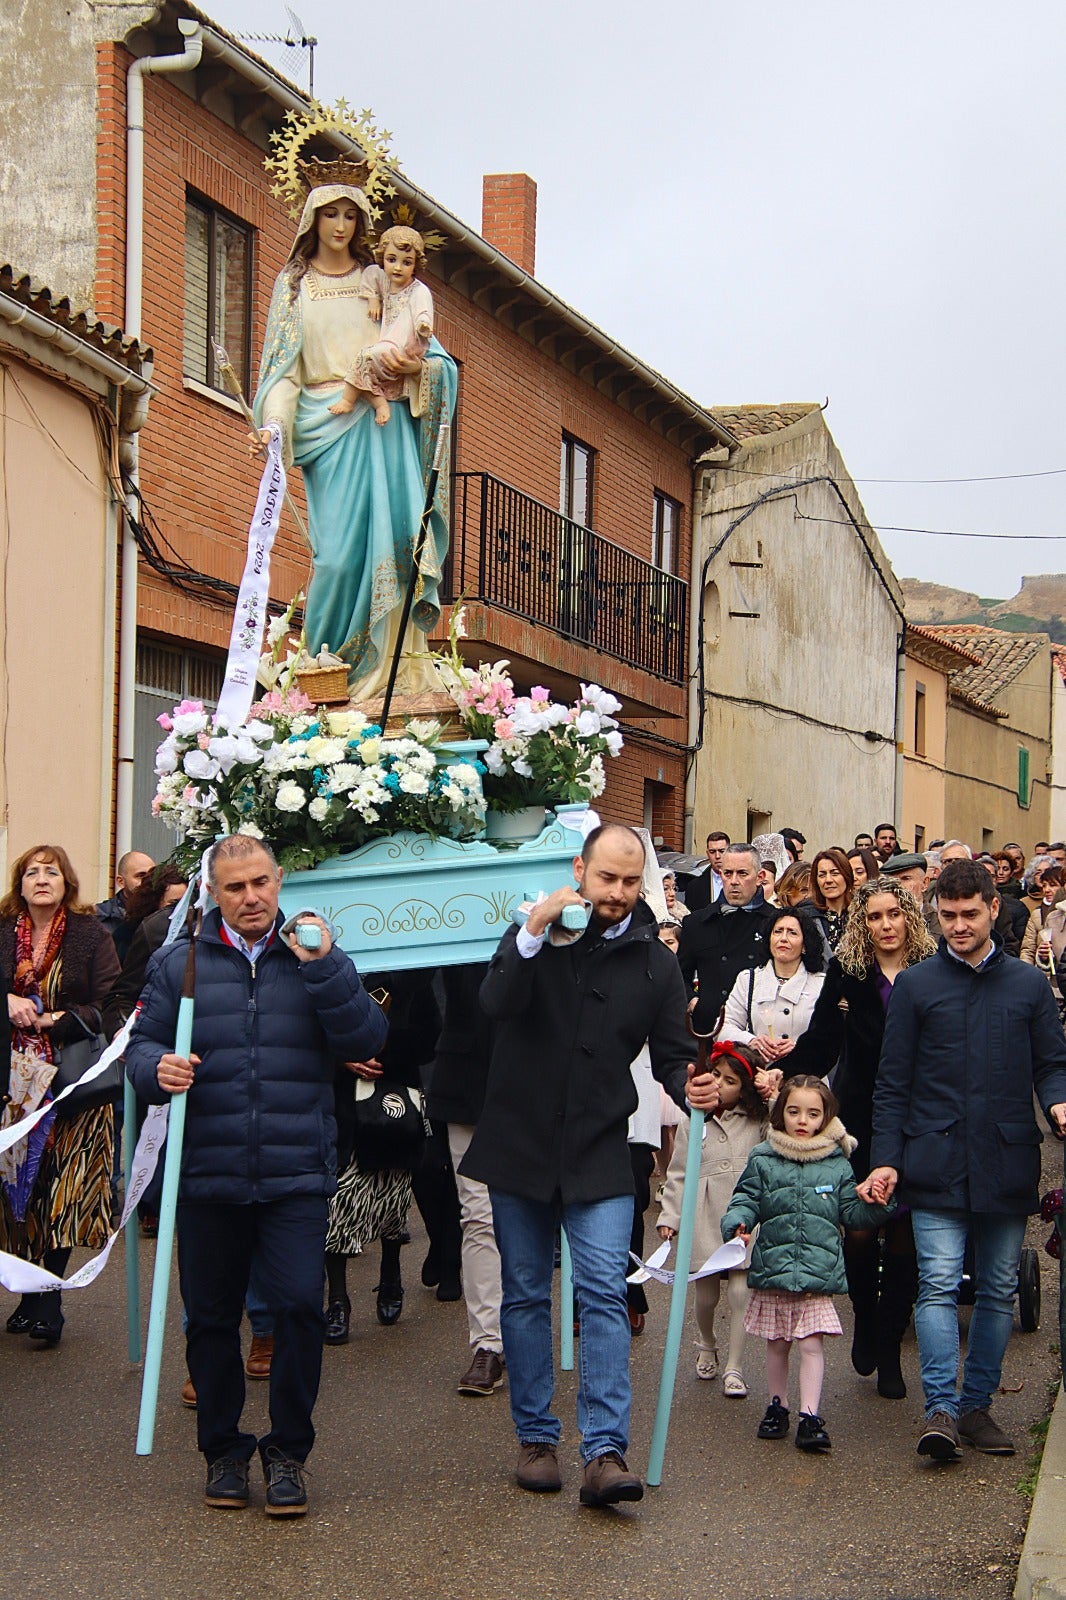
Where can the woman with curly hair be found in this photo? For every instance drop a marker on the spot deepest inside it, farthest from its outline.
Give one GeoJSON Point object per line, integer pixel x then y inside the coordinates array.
{"type": "Point", "coordinates": [885, 933]}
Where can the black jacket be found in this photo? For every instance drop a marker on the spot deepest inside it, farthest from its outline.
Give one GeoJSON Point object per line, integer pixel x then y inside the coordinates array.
{"type": "Point", "coordinates": [458, 1075]}
{"type": "Point", "coordinates": [90, 967]}
{"type": "Point", "coordinates": [845, 1032]}
{"type": "Point", "coordinates": [963, 1053]}
{"type": "Point", "coordinates": [716, 945]}
{"type": "Point", "coordinates": [569, 1021]}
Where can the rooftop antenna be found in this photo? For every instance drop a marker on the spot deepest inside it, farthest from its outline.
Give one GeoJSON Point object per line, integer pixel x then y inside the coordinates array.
{"type": "Point", "coordinates": [296, 39]}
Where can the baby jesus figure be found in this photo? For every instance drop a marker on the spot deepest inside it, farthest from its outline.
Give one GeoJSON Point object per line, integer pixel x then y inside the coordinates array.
{"type": "Point", "coordinates": [405, 307]}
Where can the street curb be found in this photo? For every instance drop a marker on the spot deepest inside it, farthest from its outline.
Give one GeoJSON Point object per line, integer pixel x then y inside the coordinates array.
{"type": "Point", "coordinates": [1042, 1567]}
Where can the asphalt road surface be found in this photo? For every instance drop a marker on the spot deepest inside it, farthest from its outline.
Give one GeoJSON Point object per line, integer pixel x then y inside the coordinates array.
{"type": "Point", "coordinates": [412, 1492]}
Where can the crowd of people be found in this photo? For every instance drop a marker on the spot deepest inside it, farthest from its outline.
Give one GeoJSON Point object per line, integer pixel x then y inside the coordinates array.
{"type": "Point", "coordinates": [863, 1033]}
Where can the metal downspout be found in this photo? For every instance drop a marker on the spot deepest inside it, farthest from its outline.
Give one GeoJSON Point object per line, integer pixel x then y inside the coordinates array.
{"type": "Point", "coordinates": [185, 61]}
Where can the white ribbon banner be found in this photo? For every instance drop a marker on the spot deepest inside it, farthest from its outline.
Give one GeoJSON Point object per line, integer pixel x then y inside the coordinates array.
{"type": "Point", "coordinates": [249, 617]}
{"type": "Point", "coordinates": [725, 1259]}
{"type": "Point", "coordinates": [23, 1277]}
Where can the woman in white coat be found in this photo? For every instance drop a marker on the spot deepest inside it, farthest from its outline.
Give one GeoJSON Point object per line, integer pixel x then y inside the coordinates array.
{"type": "Point", "coordinates": [770, 1006]}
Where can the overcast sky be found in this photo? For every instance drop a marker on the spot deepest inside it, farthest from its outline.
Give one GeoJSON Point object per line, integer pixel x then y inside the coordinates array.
{"type": "Point", "coordinates": [776, 202]}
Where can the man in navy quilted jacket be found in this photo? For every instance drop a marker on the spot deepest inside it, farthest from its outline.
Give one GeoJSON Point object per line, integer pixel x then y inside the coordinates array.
{"type": "Point", "coordinates": [272, 1019]}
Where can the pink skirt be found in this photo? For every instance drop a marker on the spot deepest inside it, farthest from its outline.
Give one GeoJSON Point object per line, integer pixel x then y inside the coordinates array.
{"type": "Point", "coordinates": [777, 1314]}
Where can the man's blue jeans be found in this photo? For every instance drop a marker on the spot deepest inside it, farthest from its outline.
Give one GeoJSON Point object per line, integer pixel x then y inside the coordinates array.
{"type": "Point", "coordinates": [599, 1246]}
{"type": "Point", "coordinates": [940, 1240]}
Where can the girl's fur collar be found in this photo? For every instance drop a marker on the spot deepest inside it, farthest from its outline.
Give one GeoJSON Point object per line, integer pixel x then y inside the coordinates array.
{"type": "Point", "coordinates": [826, 1142]}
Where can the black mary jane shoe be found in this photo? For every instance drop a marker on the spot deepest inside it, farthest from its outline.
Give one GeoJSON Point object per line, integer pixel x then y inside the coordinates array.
{"type": "Point", "coordinates": [24, 1315]}
{"type": "Point", "coordinates": [390, 1302]}
{"type": "Point", "coordinates": [338, 1316]}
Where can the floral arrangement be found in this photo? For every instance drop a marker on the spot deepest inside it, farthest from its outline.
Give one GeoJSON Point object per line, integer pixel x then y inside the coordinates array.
{"type": "Point", "coordinates": [316, 784]}
{"type": "Point", "coordinates": [541, 752]}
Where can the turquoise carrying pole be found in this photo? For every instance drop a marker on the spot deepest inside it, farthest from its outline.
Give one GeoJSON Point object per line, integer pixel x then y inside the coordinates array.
{"type": "Point", "coordinates": [168, 1207]}
{"type": "Point", "coordinates": [566, 1303]}
{"type": "Point", "coordinates": [133, 1264]}
{"type": "Point", "coordinates": [678, 1297]}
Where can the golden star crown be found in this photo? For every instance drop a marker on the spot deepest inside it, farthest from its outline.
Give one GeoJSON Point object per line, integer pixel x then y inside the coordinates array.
{"type": "Point", "coordinates": [296, 174]}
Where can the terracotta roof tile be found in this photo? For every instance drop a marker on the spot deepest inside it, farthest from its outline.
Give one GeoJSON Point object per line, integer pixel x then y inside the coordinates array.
{"type": "Point", "coordinates": [746, 422]}
{"type": "Point", "coordinates": [954, 656]}
{"type": "Point", "coordinates": [83, 325]}
{"type": "Point", "coordinates": [1002, 656]}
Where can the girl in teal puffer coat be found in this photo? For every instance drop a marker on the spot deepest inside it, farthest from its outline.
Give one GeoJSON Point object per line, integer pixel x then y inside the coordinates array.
{"type": "Point", "coordinates": [799, 1186]}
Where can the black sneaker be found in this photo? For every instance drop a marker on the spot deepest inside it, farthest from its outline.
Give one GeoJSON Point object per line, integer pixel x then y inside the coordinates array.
{"type": "Point", "coordinates": [286, 1490]}
{"type": "Point", "coordinates": [227, 1484]}
{"type": "Point", "coordinates": [811, 1434]}
{"type": "Point", "coordinates": [774, 1424]}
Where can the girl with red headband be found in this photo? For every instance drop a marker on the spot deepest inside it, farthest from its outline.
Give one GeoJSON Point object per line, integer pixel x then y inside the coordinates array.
{"type": "Point", "coordinates": [733, 1130]}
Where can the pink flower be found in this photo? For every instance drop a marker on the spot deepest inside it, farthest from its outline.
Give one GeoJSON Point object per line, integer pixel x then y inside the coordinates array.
{"type": "Point", "coordinates": [539, 696]}
{"type": "Point", "coordinates": [504, 728]}
{"type": "Point", "coordinates": [157, 806]}
{"type": "Point", "coordinates": [165, 722]}
{"type": "Point", "coordinates": [189, 792]}
{"type": "Point", "coordinates": [189, 705]}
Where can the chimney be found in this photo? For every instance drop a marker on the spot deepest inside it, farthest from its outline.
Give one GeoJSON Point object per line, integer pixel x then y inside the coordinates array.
{"type": "Point", "coordinates": [509, 216]}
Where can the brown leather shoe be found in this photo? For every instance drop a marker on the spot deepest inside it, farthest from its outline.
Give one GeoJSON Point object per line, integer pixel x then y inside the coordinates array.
{"type": "Point", "coordinates": [636, 1322]}
{"type": "Point", "coordinates": [608, 1480]}
{"type": "Point", "coordinates": [484, 1375]}
{"type": "Point", "coordinates": [259, 1357]}
{"type": "Point", "coordinates": [188, 1395]}
{"type": "Point", "coordinates": [538, 1469]}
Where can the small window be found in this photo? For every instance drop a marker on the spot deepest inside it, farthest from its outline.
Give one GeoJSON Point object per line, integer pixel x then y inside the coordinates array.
{"type": "Point", "coordinates": [919, 838]}
{"type": "Point", "coordinates": [218, 293]}
{"type": "Point", "coordinates": [666, 525]}
{"type": "Point", "coordinates": [919, 719]}
{"type": "Point", "coordinates": [575, 480]}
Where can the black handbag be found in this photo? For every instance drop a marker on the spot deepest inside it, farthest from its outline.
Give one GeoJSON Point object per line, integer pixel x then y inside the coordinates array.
{"type": "Point", "coordinates": [390, 1126]}
{"type": "Point", "coordinates": [73, 1059]}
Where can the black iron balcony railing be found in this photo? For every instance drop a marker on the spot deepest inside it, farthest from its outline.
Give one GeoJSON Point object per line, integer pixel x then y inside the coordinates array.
{"type": "Point", "coordinates": [516, 553]}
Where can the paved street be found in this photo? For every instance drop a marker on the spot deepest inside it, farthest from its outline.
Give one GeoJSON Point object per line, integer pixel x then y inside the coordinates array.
{"type": "Point", "coordinates": [411, 1485]}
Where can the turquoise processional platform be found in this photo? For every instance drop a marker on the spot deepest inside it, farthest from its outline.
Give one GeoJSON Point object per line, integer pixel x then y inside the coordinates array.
{"type": "Point", "coordinates": [410, 901]}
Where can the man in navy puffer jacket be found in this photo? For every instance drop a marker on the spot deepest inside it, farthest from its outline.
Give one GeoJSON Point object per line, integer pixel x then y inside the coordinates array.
{"type": "Point", "coordinates": [970, 1036]}
{"type": "Point", "coordinates": [258, 1162]}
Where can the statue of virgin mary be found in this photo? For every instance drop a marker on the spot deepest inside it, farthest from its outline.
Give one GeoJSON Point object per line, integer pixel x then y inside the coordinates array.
{"type": "Point", "coordinates": [366, 484]}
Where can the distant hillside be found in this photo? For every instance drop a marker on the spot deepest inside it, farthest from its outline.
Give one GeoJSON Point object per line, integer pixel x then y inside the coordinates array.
{"type": "Point", "coordinates": [1038, 607]}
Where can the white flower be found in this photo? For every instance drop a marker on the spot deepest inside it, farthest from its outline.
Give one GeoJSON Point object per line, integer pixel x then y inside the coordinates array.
{"type": "Point", "coordinates": [198, 764]}
{"type": "Point", "coordinates": [290, 797]}
{"type": "Point", "coordinates": [614, 743]}
{"type": "Point", "coordinates": [370, 752]}
{"type": "Point", "coordinates": [277, 628]}
{"type": "Point", "coordinates": [459, 623]}
{"type": "Point", "coordinates": [324, 752]}
{"type": "Point", "coordinates": [262, 732]}
{"type": "Point", "coordinates": [463, 773]}
{"type": "Point", "coordinates": [187, 723]}
{"type": "Point", "coordinates": [345, 776]}
{"type": "Point", "coordinates": [224, 749]}
{"type": "Point", "coordinates": [494, 760]}
{"type": "Point", "coordinates": [414, 782]}
{"type": "Point", "coordinates": [600, 700]}
{"type": "Point", "coordinates": [251, 830]}
{"type": "Point", "coordinates": [522, 767]}
{"type": "Point", "coordinates": [319, 808]}
{"type": "Point", "coordinates": [587, 723]}
{"type": "Point", "coordinates": [346, 724]}
{"type": "Point", "coordinates": [424, 730]}
{"type": "Point", "coordinates": [166, 757]}
{"type": "Point", "coordinates": [280, 758]}
{"type": "Point", "coordinates": [597, 778]}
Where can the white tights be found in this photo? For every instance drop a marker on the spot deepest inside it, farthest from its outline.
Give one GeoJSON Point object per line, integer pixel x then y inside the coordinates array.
{"type": "Point", "coordinates": [708, 1291]}
{"type": "Point", "coordinates": [811, 1365]}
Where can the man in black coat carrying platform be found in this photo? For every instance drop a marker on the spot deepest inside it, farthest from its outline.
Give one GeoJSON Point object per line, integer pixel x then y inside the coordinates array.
{"type": "Point", "coordinates": [728, 938]}
{"type": "Point", "coordinates": [571, 1015]}
{"type": "Point", "coordinates": [970, 1036]}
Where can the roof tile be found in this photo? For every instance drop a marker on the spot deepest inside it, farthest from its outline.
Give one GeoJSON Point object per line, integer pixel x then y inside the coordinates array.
{"type": "Point", "coordinates": [1002, 656]}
